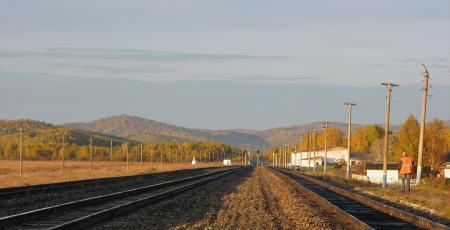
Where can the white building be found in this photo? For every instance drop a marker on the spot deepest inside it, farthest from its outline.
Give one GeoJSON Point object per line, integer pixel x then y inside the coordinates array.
{"type": "Point", "coordinates": [226, 162]}
{"type": "Point", "coordinates": [312, 161]}
{"type": "Point", "coordinates": [375, 173]}
{"type": "Point", "coordinates": [446, 169]}
{"type": "Point", "coordinates": [333, 155]}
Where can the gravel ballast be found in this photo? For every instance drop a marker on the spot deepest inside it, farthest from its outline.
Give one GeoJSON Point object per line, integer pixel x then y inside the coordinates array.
{"type": "Point", "coordinates": [253, 198]}
{"type": "Point", "coordinates": [41, 200]}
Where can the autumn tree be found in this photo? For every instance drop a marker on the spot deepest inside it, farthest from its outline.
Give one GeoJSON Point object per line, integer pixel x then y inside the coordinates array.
{"type": "Point", "coordinates": [364, 136]}
{"type": "Point", "coordinates": [408, 138]}
{"type": "Point", "coordinates": [435, 143]}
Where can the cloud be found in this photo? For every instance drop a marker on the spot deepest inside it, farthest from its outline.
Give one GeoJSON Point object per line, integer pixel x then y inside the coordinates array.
{"type": "Point", "coordinates": [255, 78]}
{"type": "Point", "coordinates": [115, 69]}
{"type": "Point", "coordinates": [128, 54]}
{"type": "Point", "coordinates": [377, 66]}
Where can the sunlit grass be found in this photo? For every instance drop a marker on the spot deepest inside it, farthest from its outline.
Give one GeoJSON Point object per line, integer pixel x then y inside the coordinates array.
{"type": "Point", "coordinates": [43, 172]}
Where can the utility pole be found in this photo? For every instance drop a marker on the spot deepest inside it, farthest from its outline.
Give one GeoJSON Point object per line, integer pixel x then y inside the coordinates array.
{"type": "Point", "coordinates": [309, 151]}
{"type": "Point", "coordinates": [126, 145]}
{"type": "Point", "coordinates": [325, 128]}
{"type": "Point", "coordinates": [245, 158]}
{"type": "Point", "coordinates": [389, 86]}
{"type": "Point", "coordinates": [257, 158]}
{"type": "Point", "coordinates": [273, 159]}
{"type": "Point", "coordinates": [288, 154]}
{"type": "Point", "coordinates": [161, 153]}
{"type": "Point", "coordinates": [62, 162]}
{"type": "Point", "coordinates": [301, 150]}
{"type": "Point", "coordinates": [90, 155]}
{"type": "Point", "coordinates": [349, 137]}
{"type": "Point", "coordinates": [280, 157]}
{"type": "Point", "coordinates": [314, 149]}
{"type": "Point", "coordinates": [111, 151]}
{"type": "Point", "coordinates": [151, 154]}
{"type": "Point", "coordinates": [21, 151]}
{"type": "Point", "coordinates": [422, 123]}
{"type": "Point", "coordinates": [142, 156]}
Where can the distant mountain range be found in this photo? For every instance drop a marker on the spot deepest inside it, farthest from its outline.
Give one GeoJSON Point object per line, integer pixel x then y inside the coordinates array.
{"type": "Point", "coordinates": [151, 131]}
{"type": "Point", "coordinates": [124, 127]}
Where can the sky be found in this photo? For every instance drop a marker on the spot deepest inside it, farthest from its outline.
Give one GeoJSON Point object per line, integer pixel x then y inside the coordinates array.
{"type": "Point", "coordinates": [221, 64]}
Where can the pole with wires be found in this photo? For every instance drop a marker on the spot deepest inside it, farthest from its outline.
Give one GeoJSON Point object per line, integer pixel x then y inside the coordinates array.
{"type": "Point", "coordinates": [422, 123]}
{"type": "Point", "coordinates": [389, 86]}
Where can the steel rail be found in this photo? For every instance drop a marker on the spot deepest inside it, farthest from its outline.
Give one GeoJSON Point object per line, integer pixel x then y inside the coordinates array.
{"type": "Point", "coordinates": [14, 192]}
{"type": "Point", "coordinates": [375, 214]}
{"type": "Point", "coordinates": [126, 200]}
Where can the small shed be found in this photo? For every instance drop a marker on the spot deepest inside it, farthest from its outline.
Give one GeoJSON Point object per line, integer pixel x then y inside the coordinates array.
{"type": "Point", "coordinates": [226, 162]}
{"type": "Point", "coordinates": [194, 162]}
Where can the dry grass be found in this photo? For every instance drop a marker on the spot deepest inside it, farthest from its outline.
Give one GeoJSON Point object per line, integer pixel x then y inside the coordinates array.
{"type": "Point", "coordinates": [43, 172]}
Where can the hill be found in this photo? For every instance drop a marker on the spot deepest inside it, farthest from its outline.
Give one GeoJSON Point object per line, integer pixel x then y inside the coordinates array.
{"type": "Point", "coordinates": [151, 131]}
{"type": "Point", "coordinates": [41, 132]}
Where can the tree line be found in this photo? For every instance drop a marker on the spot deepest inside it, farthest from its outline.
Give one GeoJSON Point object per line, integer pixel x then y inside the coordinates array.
{"type": "Point", "coordinates": [370, 139]}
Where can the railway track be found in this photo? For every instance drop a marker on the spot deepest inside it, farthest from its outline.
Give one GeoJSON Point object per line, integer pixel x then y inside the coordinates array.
{"type": "Point", "coordinates": [358, 210]}
{"type": "Point", "coordinates": [86, 212]}
{"type": "Point", "coordinates": [22, 191]}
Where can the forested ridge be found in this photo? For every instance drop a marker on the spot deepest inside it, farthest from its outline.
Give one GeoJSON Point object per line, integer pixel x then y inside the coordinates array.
{"type": "Point", "coordinates": [43, 141]}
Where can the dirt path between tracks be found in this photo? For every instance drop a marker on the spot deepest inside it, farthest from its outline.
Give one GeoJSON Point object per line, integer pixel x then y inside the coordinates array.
{"type": "Point", "coordinates": [265, 201]}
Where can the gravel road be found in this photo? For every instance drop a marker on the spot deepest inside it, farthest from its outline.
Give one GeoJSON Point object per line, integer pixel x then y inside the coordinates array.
{"type": "Point", "coordinates": [253, 198]}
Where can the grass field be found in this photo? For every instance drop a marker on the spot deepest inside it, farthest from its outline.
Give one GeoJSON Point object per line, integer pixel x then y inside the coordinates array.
{"type": "Point", "coordinates": [43, 172]}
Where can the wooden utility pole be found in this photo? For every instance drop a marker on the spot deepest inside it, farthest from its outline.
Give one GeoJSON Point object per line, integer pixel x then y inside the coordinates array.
{"type": "Point", "coordinates": [62, 153]}
{"type": "Point", "coordinates": [257, 158]}
{"type": "Point", "coordinates": [169, 154]}
{"type": "Point", "coordinates": [126, 146]}
{"type": "Point", "coordinates": [161, 153]}
{"type": "Point", "coordinates": [422, 123]}
{"type": "Point", "coordinates": [280, 157]}
{"type": "Point", "coordinates": [325, 128]}
{"type": "Point", "coordinates": [142, 156]}
{"type": "Point", "coordinates": [21, 151]}
{"type": "Point", "coordinates": [389, 86]}
{"type": "Point", "coordinates": [245, 158]}
{"type": "Point", "coordinates": [314, 150]}
{"type": "Point", "coordinates": [273, 159]}
{"type": "Point", "coordinates": [151, 154]}
{"type": "Point", "coordinates": [111, 151]}
{"type": "Point", "coordinates": [349, 137]}
{"type": "Point", "coordinates": [301, 150]}
{"type": "Point", "coordinates": [90, 155]}
{"type": "Point", "coordinates": [309, 151]}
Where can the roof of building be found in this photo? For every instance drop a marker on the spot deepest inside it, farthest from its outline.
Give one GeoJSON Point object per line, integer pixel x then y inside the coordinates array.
{"type": "Point", "coordinates": [445, 165]}
{"type": "Point", "coordinates": [379, 166]}
{"type": "Point", "coordinates": [312, 158]}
